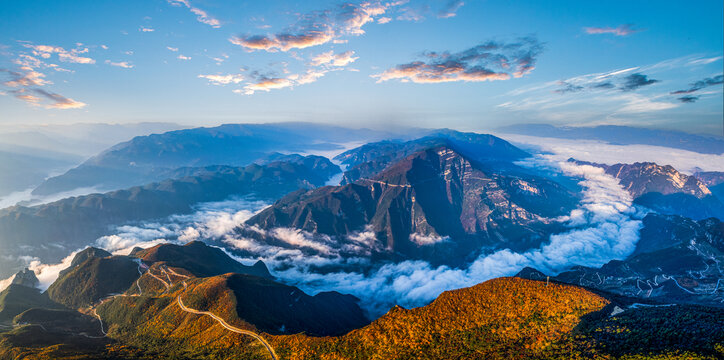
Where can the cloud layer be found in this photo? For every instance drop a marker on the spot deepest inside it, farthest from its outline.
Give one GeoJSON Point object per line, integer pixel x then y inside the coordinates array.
{"type": "Point", "coordinates": [488, 61]}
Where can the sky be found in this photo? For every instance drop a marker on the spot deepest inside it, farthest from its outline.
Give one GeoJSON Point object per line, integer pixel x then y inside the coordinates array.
{"type": "Point", "coordinates": [470, 65]}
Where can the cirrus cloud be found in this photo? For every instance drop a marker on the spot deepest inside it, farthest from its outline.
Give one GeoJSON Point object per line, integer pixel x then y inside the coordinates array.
{"type": "Point", "coordinates": [621, 30]}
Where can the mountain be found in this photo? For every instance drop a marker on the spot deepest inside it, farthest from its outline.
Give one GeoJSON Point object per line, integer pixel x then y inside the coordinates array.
{"type": "Point", "coordinates": [665, 190]}
{"type": "Point", "coordinates": [22, 295]}
{"type": "Point", "coordinates": [435, 204]}
{"type": "Point", "coordinates": [150, 158]}
{"type": "Point", "coordinates": [199, 259]}
{"type": "Point", "coordinates": [676, 260]}
{"type": "Point", "coordinates": [76, 222]}
{"type": "Point", "coordinates": [623, 135]}
{"type": "Point", "coordinates": [93, 279]}
{"type": "Point", "coordinates": [166, 312]}
{"type": "Point", "coordinates": [498, 319]}
{"type": "Point", "coordinates": [17, 298]}
{"type": "Point", "coordinates": [21, 169]}
{"type": "Point", "coordinates": [370, 159]}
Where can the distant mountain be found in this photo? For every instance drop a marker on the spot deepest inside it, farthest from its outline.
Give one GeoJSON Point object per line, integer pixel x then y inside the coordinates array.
{"type": "Point", "coordinates": [150, 158]}
{"type": "Point", "coordinates": [676, 260]}
{"type": "Point", "coordinates": [80, 139]}
{"type": "Point", "coordinates": [20, 169]}
{"type": "Point", "coordinates": [76, 222]}
{"type": "Point", "coordinates": [435, 204]}
{"type": "Point", "coordinates": [623, 135]}
{"type": "Point", "coordinates": [665, 190]}
{"type": "Point", "coordinates": [370, 159]}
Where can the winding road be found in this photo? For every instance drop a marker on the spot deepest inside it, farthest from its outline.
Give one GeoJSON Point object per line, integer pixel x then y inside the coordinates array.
{"type": "Point", "coordinates": [227, 326]}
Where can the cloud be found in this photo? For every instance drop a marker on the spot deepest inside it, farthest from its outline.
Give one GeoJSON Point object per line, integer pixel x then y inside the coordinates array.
{"type": "Point", "coordinates": [330, 58]}
{"type": "Point", "coordinates": [316, 28]}
{"type": "Point", "coordinates": [635, 81]}
{"type": "Point", "coordinates": [145, 29]}
{"type": "Point", "coordinates": [6, 282]}
{"type": "Point", "coordinates": [266, 84]}
{"type": "Point", "coordinates": [72, 56]}
{"type": "Point", "coordinates": [28, 77]}
{"type": "Point", "coordinates": [201, 15]}
{"type": "Point", "coordinates": [384, 20]}
{"type": "Point", "coordinates": [604, 81]}
{"type": "Point", "coordinates": [223, 79]}
{"type": "Point", "coordinates": [712, 81]}
{"type": "Point", "coordinates": [183, 57]}
{"type": "Point", "coordinates": [172, 48]}
{"type": "Point", "coordinates": [485, 62]}
{"type": "Point", "coordinates": [688, 99]}
{"type": "Point", "coordinates": [424, 240]}
{"type": "Point", "coordinates": [123, 64]}
{"type": "Point", "coordinates": [58, 101]}
{"type": "Point", "coordinates": [621, 30]}
{"type": "Point", "coordinates": [450, 9]}
{"type": "Point", "coordinates": [47, 274]}
{"type": "Point", "coordinates": [46, 99]}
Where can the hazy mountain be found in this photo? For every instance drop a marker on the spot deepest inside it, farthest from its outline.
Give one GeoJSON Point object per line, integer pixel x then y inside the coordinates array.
{"type": "Point", "coordinates": [51, 230]}
{"type": "Point", "coordinates": [22, 168]}
{"type": "Point", "coordinates": [80, 139]}
{"type": "Point", "coordinates": [435, 204]}
{"type": "Point", "coordinates": [623, 135]}
{"type": "Point", "coordinates": [150, 158]}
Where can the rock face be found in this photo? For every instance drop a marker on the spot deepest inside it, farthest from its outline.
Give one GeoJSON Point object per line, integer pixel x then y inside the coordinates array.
{"type": "Point", "coordinates": [646, 177]}
{"type": "Point", "coordinates": [642, 178]}
{"type": "Point", "coordinates": [434, 204]}
{"type": "Point", "coordinates": [26, 278]}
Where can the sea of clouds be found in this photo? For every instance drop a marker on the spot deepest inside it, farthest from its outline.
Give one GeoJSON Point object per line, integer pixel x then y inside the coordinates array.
{"type": "Point", "coordinates": [603, 227]}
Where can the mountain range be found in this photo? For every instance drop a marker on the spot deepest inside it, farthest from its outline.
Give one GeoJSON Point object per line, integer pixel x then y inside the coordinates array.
{"type": "Point", "coordinates": [435, 204]}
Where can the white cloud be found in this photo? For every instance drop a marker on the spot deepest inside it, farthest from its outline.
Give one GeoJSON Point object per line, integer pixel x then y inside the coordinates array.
{"type": "Point", "coordinates": [123, 64]}
{"type": "Point", "coordinates": [223, 79]}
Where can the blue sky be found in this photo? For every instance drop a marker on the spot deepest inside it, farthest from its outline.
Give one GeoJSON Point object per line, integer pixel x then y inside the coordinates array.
{"type": "Point", "coordinates": [472, 65]}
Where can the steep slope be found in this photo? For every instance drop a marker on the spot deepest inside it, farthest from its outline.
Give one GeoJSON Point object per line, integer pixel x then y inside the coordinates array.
{"type": "Point", "coordinates": [148, 158]}
{"type": "Point", "coordinates": [199, 259]}
{"type": "Point", "coordinates": [77, 222]}
{"type": "Point", "coordinates": [435, 205]}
